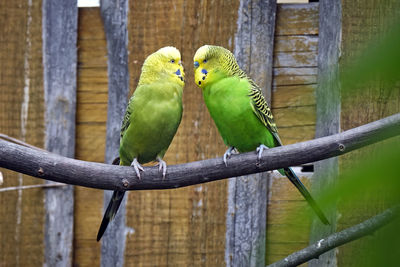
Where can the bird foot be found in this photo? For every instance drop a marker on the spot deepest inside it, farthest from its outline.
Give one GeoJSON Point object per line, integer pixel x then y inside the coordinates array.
{"type": "Point", "coordinates": [228, 154]}
{"type": "Point", "coordinates": [260, 150]}
{"type": "Point", "coordinates": [135, 164]}
{"type": "Point", "coordinates": [162, 166]}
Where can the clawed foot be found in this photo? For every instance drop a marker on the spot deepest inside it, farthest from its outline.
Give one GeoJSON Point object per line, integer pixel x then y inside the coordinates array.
{"type": "Point", "coordinates": [162, 166]}
{"type": "Point", "coordinates": [260, 150]}
{"type": "Point", "coordinates": [228, 154]}
{"type": "Point", "coordinates": [135, 164]}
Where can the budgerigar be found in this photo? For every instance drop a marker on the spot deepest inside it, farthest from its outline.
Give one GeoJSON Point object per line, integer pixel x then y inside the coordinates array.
{"type": "Point", "coordinates": [151, 119]}
{"type": "Point", "coordinates": [239, 109]}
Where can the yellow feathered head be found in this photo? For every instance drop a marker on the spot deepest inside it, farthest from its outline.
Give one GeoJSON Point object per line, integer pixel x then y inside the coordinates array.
{"type": "Point", "coordinates": [213, 62]}
{"type": "Point", "coordinates": [164, 64]}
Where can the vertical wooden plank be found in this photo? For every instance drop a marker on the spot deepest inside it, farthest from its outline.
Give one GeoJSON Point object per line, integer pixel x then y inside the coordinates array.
{"type": "Point", "coordinates": [328, 116]}
{"type": "Point", "coordinates": [22, 117]}
{"type": "Point", "coordinates": [60, 20]}
{"type": "Point", "coordinates": [91, 118]}
{"type": "Point", "coordinates": [363, 22]}
{"type": "Point", "coordinates": [114, 14]}
{"type": "Point", "coordinates": [247, 195]}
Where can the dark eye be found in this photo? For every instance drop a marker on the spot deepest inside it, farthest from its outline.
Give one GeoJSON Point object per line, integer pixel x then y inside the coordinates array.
{"type": "Point", "coordinates": [205, 61]}
{"type": "Point", "coordinates": [172, 61]}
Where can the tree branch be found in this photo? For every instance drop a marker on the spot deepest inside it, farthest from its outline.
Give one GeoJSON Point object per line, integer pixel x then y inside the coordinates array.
{"type": "Point", "coordinates": [338, 239]}
{"type": "Point", "coordinates": [49, 166]}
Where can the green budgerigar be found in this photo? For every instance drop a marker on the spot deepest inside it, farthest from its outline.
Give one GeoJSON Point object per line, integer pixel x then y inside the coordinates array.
{"type": "Point", "coordinates": [151, 119]}
{"type": "Point", "coordinates": [239, 109]}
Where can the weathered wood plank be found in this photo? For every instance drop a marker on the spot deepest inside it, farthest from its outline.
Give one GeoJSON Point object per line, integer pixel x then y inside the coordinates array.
{"type": "Point", "coordinates": [92, 113]}
{"type": "Point", "coordinates": [92, 79]}
{"type": "Point", "coordinates": [293, 71]}
{"type": "Point", "coordinates": [92, 97]}
{"type": "Point", "coordinates": [297, 19]}
{"type": "Point", "coordinates": [296, 43]}
{"type": "Point", "coordinates": [298, 59]}
{"type": "Point", "coordinates": [285, 80]}
{"type": "Point", "coordinates": [293, 96]}
{"type": "Point", "coordinates": [294, 116]}
{"type": "Point", "coordinates": [21, 116]}
{"type": "Point", "coordinates": [295, 134]}
{"type": "Point", "coordinates": [247, 195]}
{"type": "Point", "coordinates": [60, 19]}
{"type": "Point", "coordinates": [90, 135]}
{"type": "Point", "coordinates": [115, 17]}
{"type": "Point", "coordinates": [294, 76]}
{"type": "Point", "coordinates": [328, 116]}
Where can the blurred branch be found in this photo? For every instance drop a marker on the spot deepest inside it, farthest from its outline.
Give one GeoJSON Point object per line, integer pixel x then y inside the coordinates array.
{"type": "Point", "coordinates": [18, 142]}
{"type": "Point", "coordinates": [338, 239]}
{"type": "Point", "coordinates": [49, 166]}
{"type": "Point", "coordinates": [23, 187]}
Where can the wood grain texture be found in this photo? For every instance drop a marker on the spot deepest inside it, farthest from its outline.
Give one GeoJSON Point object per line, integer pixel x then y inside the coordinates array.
{"type": "Point", "coordinates": [328, 116]}
{"type": "Point", "coordinates": [115, 18]}
{"type": "Point", "coordinates": [297, 19]}
{"type": "Point", "coordinates": [247, 195]}
{"type": "Point", "coordinates": [362, 23]}
{"type": "Point", "coordinates": [288, 217]}
{"type": "Point", "coordinates": [60, 24]}
{"type": "Point", "coordinates": [184, 227]}
{"type": "Point", "coordinates": [295, 71]}
{"type": "Point", "coordinates": [22, 117]}
{"type": "Point", "coordinates": [91, 117]}
{"type": "Point", "coordinates": [293, 106]}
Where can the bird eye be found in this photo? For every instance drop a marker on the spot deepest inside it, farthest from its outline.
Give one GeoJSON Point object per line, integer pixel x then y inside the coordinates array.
{"type": "Point", "coordinates": [172, 61]}
{"type": "Point", "coordinates": [205, 61]}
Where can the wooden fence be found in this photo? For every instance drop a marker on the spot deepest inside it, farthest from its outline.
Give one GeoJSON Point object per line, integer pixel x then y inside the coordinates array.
{"type": "Point", "coordinates": [186, 226]}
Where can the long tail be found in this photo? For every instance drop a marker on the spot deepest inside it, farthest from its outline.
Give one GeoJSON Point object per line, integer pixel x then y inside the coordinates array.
{"type": "Point", "coordinates": [303, 190]}
{"type": "Point", "coordinates": [112, 208]}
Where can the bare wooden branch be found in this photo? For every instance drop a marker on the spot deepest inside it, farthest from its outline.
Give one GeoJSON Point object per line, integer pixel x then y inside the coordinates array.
{"type": "Point", "coordinates": [338, 239]}
{"type": "Point", "coordinates": [49, 166]}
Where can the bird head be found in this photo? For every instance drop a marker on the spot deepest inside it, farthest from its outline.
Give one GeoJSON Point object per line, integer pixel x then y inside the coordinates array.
{"type": "Point", "coordinates": [163, 64]}
{"type": "Point", "coordinates": [212, 63]}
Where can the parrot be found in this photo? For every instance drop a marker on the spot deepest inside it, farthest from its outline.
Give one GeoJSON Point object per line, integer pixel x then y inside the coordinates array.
{"type": "Point", "coordinates": [239, 110]}
{"type": "Point", "coordinates": [151, 119]}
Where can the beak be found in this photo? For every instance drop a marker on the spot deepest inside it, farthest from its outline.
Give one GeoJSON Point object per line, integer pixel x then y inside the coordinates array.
{"type": "Point", "coordinates": [196, 64]}
{"type": "Point", "coordinates": [180, 74]}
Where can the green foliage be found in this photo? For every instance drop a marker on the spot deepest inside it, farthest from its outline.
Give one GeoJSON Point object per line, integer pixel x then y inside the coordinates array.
{"type": "Point", "coordinates": [369, 179]}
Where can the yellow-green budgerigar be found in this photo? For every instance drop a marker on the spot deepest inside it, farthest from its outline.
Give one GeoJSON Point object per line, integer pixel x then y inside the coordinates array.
{"type": "Point", "coordinates": [151, 119]}
{"type": "Point", "coordinates": [239, 109]}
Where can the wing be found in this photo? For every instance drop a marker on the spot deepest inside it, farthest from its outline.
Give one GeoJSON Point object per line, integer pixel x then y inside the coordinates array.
{"type": "Point", "coordinates": [128, 112]}
{"type": "Point", "coordinates": [261, 109]}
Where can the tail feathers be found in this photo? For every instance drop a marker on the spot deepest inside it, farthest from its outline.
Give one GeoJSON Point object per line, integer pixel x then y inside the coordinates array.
{"type": "Point", "coordinates": [111, 211]}
{"type": "Point", "coordinates": [303, 190]}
